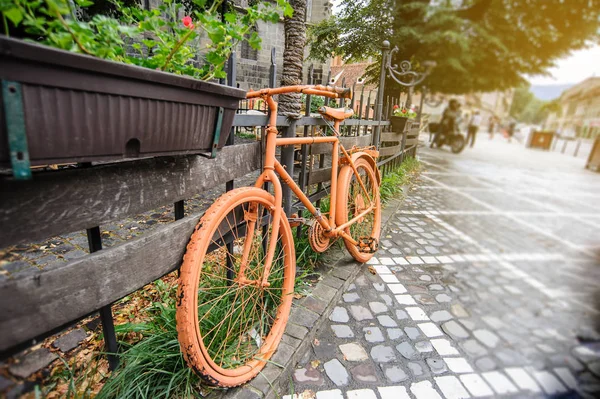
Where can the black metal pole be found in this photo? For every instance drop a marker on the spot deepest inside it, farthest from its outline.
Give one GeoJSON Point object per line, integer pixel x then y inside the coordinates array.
{"type": "Point", "coordinates": [385, 48]}
{"type": "Point", "coordinates": [108, 325]}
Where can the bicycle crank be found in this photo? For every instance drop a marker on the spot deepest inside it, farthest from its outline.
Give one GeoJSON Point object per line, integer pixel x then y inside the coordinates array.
{"type": "Point", "coordinates": [317, 239]}
{"type": "Point", "coordinates": [368, 245]}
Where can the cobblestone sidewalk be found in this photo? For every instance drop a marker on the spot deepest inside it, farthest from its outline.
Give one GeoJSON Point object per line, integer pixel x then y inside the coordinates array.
{"type": "Point", "coordinates": [486, 284]}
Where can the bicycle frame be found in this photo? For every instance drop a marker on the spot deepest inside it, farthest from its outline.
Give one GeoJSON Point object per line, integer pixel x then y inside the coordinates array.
{"type": "Point", "coordinates": [272, 167]}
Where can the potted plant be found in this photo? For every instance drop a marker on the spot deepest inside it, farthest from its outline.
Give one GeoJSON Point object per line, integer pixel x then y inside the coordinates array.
{"type": "Point", "coordinates": [399, 118]}
{"type": "Point", "coordinates": [119, 86]}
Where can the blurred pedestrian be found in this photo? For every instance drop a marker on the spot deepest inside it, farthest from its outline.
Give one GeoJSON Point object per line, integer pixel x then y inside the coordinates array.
{"type": "Point", "coordinates": [511, 130]}
{"type": "Point", "coordinates": [491, 126]}
{"type": "Point", "coordinates": [473, 127]}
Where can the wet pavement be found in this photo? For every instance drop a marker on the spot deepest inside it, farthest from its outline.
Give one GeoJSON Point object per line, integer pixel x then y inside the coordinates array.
{"type": "Point", "coordinates": [487, 283]}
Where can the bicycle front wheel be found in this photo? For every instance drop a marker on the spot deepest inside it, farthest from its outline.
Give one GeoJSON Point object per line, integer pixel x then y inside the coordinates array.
{"type": "Point", "coordinates": [353, 201]}
{"type": "Point", "coordinates": [229, 321]}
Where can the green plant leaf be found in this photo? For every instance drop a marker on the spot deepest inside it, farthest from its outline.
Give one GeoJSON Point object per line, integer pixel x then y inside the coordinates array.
{"type": "Point", "coordinates": [15, 15]}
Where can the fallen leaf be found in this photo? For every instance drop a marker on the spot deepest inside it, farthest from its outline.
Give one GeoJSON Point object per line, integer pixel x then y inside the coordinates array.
{"type": "Point", "coordinates": [315, 364]}
{"type": "Point", "coordinates": [316, 342]}
{"type": "Point", "coordinates": [372, 270]}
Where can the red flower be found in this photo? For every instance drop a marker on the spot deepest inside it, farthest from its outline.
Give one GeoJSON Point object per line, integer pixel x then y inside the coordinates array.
{"type": "Point", "coordinates": [396, 106]}
{"type": "Point", "coordinates": [187, 22]}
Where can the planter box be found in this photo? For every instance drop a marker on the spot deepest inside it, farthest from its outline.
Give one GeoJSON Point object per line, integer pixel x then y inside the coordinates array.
{"type": "Point", "coordinates": [78, 108]}
{"type": "Point", "coordinates": [400, 123]}
{"type": "Point", "coordinates": [593, 162]}
{"type": "Point", "coordinates": [541, 140]}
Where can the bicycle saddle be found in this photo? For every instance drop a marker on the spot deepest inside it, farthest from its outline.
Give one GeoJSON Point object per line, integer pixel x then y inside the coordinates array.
{"type": "Point", "coordinates": [336, 113]}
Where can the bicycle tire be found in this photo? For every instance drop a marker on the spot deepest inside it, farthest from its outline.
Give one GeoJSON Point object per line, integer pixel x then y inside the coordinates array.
{"type": "Point", "coordinates": [351, 199]}
{"type": "Point", "coordinates": [255, 316]}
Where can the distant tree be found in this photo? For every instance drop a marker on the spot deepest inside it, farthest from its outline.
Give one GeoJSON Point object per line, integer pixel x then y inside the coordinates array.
{"type": "Point", "coordinates": [479, 45]}
{"type": "Point", "coordinates": [527, 108]}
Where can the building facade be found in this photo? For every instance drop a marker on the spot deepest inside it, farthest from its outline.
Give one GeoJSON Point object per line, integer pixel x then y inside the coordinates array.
{"type": "Point", "coordinates": [579, 114]}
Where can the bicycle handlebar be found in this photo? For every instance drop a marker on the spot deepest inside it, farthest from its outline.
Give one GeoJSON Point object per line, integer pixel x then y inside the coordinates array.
{"type": "Point", "coordinates": [316, 90]}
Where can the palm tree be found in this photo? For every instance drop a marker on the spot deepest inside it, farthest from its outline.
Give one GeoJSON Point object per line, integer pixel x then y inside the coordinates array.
{"type": "Point", "coordinates": [293, 57]}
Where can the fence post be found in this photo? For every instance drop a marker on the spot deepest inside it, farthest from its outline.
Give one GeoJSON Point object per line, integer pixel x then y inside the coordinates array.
{"type": "Point", "coordinates": [287, 161]}
{"type": "Point", "coordinates": [577, 148]}
{"type": "Point", "coordinates": [385, 49]}
{"type": "Point", "coordinates": [106, 316]}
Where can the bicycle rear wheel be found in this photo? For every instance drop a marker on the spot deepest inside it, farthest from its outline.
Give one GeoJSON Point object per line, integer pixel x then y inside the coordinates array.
{"type": "Point", "coordinates": [229, 324]}
{"type": "Point", "coordinates": [352, 201]}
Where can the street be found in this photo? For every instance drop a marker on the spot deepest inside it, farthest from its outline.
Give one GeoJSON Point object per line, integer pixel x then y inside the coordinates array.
{"type": "Point", "coordinates": [486, 284]}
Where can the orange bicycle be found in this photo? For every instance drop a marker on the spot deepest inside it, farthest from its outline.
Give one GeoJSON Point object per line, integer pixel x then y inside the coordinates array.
{"type": "Point", "coordinates": [237, 277]}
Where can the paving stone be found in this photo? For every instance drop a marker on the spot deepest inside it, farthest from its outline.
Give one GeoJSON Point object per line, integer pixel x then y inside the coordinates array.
{"type": "Point", "coordinates": [303, 317]}
{"type": "Point", "coordinates": [458, 365]}
{"type": "Point", "coordinates": [352, 287]}
{"type": "Point", "coordinates": [437, 366]}
{"type": "Point", "coordinates": [424, 347]}
{"type": "Point", "coordinates": [342, 331]}
{"type": "Point", "coordinates": [443, 298]}
{"type": "Point", "coordinates": [412, 332]}
{"type": "Point", "coordinates": [487, 338]}
{"type": "Point", "coordinates": [405, 300]}
{"type": "Point", "coordinates": [353, 352]}
{"type": "Point", "coordinates": [444, 347]}
{"type": "Point", "coordinates": [397, 288]}
{"type": "Point", "coordinates": [476, 385]}
{"type": "Point", "coordinates": [378, 307]}
{"type": "Point", "coordinates": [378, 287]}
{"type": "Point", "coordinates": [330, 394]}
{"type": "Point", "coordinates": [549, 383]}
{"type": "Point", "coordinates": [416, 369]}
{"type": "Point", "coordinates": [336, 372]}
{"type": "Point", "coordinates": [364, 372]}
{"type": "Point", "coordinates": [394, 373]}
{"type": "Point", "coordinates": [435, 287]}
{"type": "Point", "coordinates": [387, 321]}
{"type": "Point", "coordinates": [416, 313]}
{"type": "Point", "coordinates": [339, 315]}
{"type": "Point", "coordinates": [387, 299]}
{"type": "Point", "coordinates": [308, 375]}
{"type": "Point", "coordinates": [5, 383]}
{"type": "Point", "coordinates": [430, 330]}
{"type": "Point", "coordinates": [70, 340]}
{"type": "Point", "coordinates": [401, 314]}
{"type": "Point", "coordinates": [455, 330]}
{"type": "Point", "coordinates": [485, 364]}
{"type": "Point", "coordinates": [325, 349]}
{"type": "Point", "coordinates": [523, 380]}
{"type": "Point", "coordinates": [566, 376]}
{"type": "Point", "coordinates": [361, 394]}
{"type": "Point", "coordinates": [468, 324]}
{"type": "Point", "coordinates": [440, 315]}
{"type": "Point", "coordinates": [499, 383]}
{"type": "Point", "coordinates": [316, 305]}
{"type": "Point", "coordinates": [473, 348]}
{"type": "Point", "coordinates": [393, 392]}
{"type": "Point", "coordinates": [459, 311]}
{"type": "Point", "coordinates": [32, 362]}
{"type": "Point", "coordinates": [395, 333]}
{"type": "Point", "coordinates": [424, 299]}
{"type": "Point", "coordinates": [451, 387]}
{"type": "Point", "coordinates": [424, 390]}
{"type": "Point", "coordinates": [296, 331]}
{"type": "Point", "coordinates": [382, 354]}
{"type": "Point", "coordinates": [406, 350]}
{"type": "Point", "coordinates": [360, 313]}
{"type": "Point", "coordinates": [351, 297]}
{"type": "Point", "coordinates": [373, 334]}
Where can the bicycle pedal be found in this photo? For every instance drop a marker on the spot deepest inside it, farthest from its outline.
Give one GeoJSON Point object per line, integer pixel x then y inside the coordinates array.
{"type": "Point", "coordinates": [368, 245]}
{"type": "Point", "coordinates": [295, 221]}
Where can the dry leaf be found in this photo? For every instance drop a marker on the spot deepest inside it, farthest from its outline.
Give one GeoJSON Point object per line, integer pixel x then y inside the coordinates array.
{"type": "Point", "coordinates": [372, 270]}
{"type": "Point", "coordinates": [316, 342]}
{"type": "Point", "coordinates": [315, 364]}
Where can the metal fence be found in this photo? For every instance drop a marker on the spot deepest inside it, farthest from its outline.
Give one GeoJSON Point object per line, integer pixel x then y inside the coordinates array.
{"type": "Point", "coordinates": [58, 202]}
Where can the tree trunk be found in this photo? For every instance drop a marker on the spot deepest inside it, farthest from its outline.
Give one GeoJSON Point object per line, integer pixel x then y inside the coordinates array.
{"type": "Point", "coordinates": [293, 57]}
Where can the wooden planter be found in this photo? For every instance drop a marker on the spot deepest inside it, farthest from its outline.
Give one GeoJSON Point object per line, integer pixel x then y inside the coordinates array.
{"type": "Point", "coordinates": [61, 107]}
{"type": "Point", "coordinates": [399, 123]}
{"type": "Point", "coordinates": [541, 140]}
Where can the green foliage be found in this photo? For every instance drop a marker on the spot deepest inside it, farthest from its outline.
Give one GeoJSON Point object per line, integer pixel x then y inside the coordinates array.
{"type": "Point", "coordinates": [527, 108]}
{"type": "Point", "coordinates": [158, 38]}
{"type": "Point", "coordinates": [316, 102]}
{"type": "Point", "coordinates": [392, 183]}
{"type": "Point", "coordinates": [481, 45]}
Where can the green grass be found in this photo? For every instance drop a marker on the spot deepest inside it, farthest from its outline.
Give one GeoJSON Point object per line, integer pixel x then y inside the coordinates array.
{"type": "Point", "coordinates": [392, 183]}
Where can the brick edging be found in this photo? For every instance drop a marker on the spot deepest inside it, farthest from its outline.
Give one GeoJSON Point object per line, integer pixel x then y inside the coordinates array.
{"type": "Point", "coordinates": [307, 316]}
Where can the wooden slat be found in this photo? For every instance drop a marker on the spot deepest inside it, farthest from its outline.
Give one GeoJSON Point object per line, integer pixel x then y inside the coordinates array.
{"type": "Point", "coordinates": [387, 151]}
{"type": "Point", "coordinates": [319, 176]}
{"type": "Point", "coordinates": [60, 202]}
{"type": "Point", "coordinates": [391, 136]}
{"type": "Point", "coordinates": [34, 304]}
{"type": "Point", "coordinates": [412, 142]}
{"type": "Point", "coordinates": [347, 142]}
